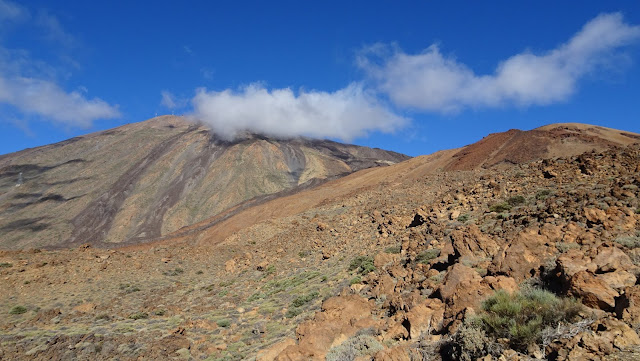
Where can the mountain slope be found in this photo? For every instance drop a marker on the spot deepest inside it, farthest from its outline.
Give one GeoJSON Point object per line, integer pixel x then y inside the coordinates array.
{"type": "Point", "coordinates": [495, 150]}
{"type": "Point", "coordinates": [141, 181]}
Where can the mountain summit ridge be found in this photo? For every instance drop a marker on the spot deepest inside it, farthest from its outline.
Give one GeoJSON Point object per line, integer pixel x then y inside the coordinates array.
{"type": "Point", "coordinates": [140, 181]}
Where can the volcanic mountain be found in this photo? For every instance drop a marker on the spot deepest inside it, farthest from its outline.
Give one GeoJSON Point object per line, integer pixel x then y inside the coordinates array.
{"type": "Point", "coordinates": [141, 181]}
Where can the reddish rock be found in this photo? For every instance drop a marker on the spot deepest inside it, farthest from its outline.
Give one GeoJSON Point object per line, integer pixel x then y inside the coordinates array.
{"type": "Point", "coordinates": [594, 292]}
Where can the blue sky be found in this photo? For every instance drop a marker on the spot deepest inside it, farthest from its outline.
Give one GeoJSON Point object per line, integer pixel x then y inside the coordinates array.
{"type": "Point", "coordinates": [414, 77]}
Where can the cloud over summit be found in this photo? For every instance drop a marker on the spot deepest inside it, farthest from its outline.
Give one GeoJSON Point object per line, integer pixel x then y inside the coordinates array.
{"type": "Point", "coordinates": [431, 81]}
{"type": "Point", "coordinates": [347, 113]}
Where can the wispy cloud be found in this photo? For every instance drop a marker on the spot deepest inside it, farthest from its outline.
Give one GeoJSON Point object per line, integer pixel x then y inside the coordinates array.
{"type": "Point", "coordinates": [53, 30]}
{"type": "Point", "coordinates": [432, 81]}
{"type": "Point", "coordinates": [170, 101]}
{"type": "Point", "coordinates": [30, 87]}
{"type": "Point", "coordinates": [347, 113]}
{"type": "Point", "coordinates": [10, 11]}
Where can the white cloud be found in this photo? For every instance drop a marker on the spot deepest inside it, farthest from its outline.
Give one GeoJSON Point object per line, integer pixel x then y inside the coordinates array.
{"type": "Point", "coordinates": [47, 99]}
{"type": "Point", "coordinates": [434, 82]}
{"type": "Point", "coordinates": [53, 30]}
{"type": "Point", "coordinates": [10, 11]}
{"type": "Point", "coordinates": [170, 101]}
{"type": "Point", "coordinates": [347, 113]}
{"type": "Point", "coordinates": [31, 87]}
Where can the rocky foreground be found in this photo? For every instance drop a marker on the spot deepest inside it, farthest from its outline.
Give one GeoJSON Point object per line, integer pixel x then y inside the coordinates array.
{"type": "Point", "coordinates": [397, 271]}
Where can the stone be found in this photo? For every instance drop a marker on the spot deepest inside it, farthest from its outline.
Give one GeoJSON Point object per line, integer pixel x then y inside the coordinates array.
{"type": "Point", "coordinates": [594, 292]}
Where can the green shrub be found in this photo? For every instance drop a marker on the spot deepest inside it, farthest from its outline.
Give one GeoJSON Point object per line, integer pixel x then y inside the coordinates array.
{"type": "Point", "coordinates": [174, 272]}
{"type": "Point", "coordinates": [563, 247]}
{"type": "Point", "coordinates": [500, 207]}
{"type": "Point", "coordinates": [520, 317]}
{"type": "Point", "coordinates": [470, 342]}
{"type": "Point", "coordinates": [427, 255]}
{"type": "Point", "coordinates": [362, 264]}
{"type": "Point", "coordinates": [355, 280]}
{"type": "Point", "coordinates": [630, 242]}
{"type": "Point", "coordinates": [543, 194]}
{"type": "Point", "coordinates": [292, 312]}
{"type": "Point", "coordinates": [5, 264]}
{"type": "Point", "coordinates": [223, 323]}
{"type": "Point", "coordinates": [303, 254]}
{"type": "Point", "coordinates": [17, 310]}
{"type": "Point", "coordinates": [393, 249]}
{"type": "Point", "coordinates": [516, 200]}
{"type": "Point", "coordinates": [139, 316]}
{"type": "Point", "coordinates": [302, 300]}
{"type": "Point", "coordinates": [353, 347]}
{"type": "Point", "coordinates": [271, 269]}
{"type": "Point", "coordinates": [463, 218]}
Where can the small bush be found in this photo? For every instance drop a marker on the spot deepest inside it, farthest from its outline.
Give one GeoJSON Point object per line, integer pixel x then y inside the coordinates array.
{"type": "Point", "coordinates": [17, 310]}
{"type": "Point", "coordinates": [516, 201]}
{"type": "Point", "coordinates": [630, 242]}
{"type": "Point", "coordinates": [393, 249]}
{"type": "Point", "coordinates": [271, 269]}
{"type": "Point", "coordinates": [563, 247]}
{"type": "Point", "coordinates": [500, 207]}
{"type": "Point", "coordinates": [470, 342]}
{"type": "Point", "coordinates": [103, 317]}
{"type": "Point", "coordinates": [302, 300]}
{"type": "Point", "coordinates": [5, 265]}
{"type": "Point", "coordinates": [463, 218]}
{"type": "Point", "coordinates": [159, 312]}
{"type": "Point", "coordinates": [521, 317]}
{"type": "Point", "coordinates": [353, 347]}
{"type": "Point", "coordinates": [223, 323]}
{"type": "Point", "coordinates": [362, 264]}
{"type": "Point", "coordinates": [427, 255]}
{"type": "Point", "coordinates": [543, 194]}
{"type": "Point", "coordinates": [292, 312]}
{"type": "Point", "coordinates": [139, 316]}
{"type": "Point", "coordinates": [199, 272]}
{"type": "Point", "coordinates": [174, 272]}
{"type": "Point", "coordinates": [355, 280]}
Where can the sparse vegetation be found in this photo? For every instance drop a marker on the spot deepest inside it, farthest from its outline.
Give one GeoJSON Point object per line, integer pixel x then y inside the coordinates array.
{"type": "Point", "coordinates": [393, 249]}
{"type": "Point", "coordinates": [303, 254]}
{"type": "Point", "coordinates": [271, 269]}
{"type": "Point", "coordinates": [463, 218]}
{"type": "Point", "coordinates": [427, 255]}
{"type": "Point", "coordinates": [302, 300]}
{"type": "Point", "coordinates": [563, 247]}
{"type": "Point", "coordinates": [362, 265]}
{"type": "Point", "coordinates": [139, 316]}
{"type": "Point", "coordinates": [543, 194]}
{"type": "Point", "coordinates": [17, 310]}
{"type": "Point", "coordinates": [174, 272]}
{"type": "Point", "coordinates": [223, 323]}
{"type": "Point", "coordinates": [360, 345]}
{"type": "Point", "coordinates": [5, 265]}
{"type": "Point", "coordinates": [355, 280]}
{"type": "Point", "coordinates": [516, 200]}
{"type": "Point", "coordinates": [500, 207]}
{"type": "Point", "coordinates": [630, 242]}
{"type": "Point", "coordinates": [292, 312]}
